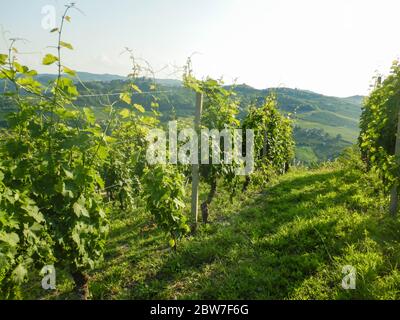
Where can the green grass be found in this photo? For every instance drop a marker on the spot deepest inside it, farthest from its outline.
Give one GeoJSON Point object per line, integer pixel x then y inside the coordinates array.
{"type": "Point", "coordinates": [306, 154]}
{"type": "Point", "coordinates": [330, 119]}
{"type": "Point", "coordinates": [348, 134]}
{"type": "Point", "coordinates": [289, 241]}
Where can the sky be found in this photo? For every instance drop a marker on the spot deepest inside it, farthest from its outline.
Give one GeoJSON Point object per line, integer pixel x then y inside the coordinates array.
{"type": "Point", "coordinates": [333, 47]}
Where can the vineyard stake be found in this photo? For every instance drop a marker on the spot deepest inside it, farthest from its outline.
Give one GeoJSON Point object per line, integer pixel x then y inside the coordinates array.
{"type": "Point", "coordinates": [394, 198]}
{"type": "Point", "coordinates": [195, 167]}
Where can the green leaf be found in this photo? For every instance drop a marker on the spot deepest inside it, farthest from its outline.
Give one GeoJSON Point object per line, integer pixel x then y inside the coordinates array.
{"type": "Point", "coordinates": [49, 59]}
{"type": "Point", "coordinates": [172, 243]}
{"type": "Point", "coordinates": [90, 116]}
{"type": "Point", "coordinates": [76, 237]}
{"type": "Point", "coordinates": [102, 152]}
{"type": "Point", "coordinates": [68, 18]}
{"type": "Point", "coordinates": [125, 113]}
{"type": "Point", "coordinates": [68, 86]}
{"type": "Point", "coordinates": [66, 45]}
{"type": "Point", "coordinates": [102, 214]}
{"type": "Point", "coordinates": [179, 203]}
{"type": "Point", "coordinates": [3, 58]}
{"type": "Point", "coordinates": [62, 188]}
{"type": "Point", "coordinates": [32, 73]}
{"type": "Point", "coordinates": [7, 74]}
{"type": "Point", "coordinates": [11, 239]}
{"type": "Point", "coordinates": [30, 84]}
{"type": "Point", "coordinates": [80, 210]}
{"type": "Point", "coordinates": [99, 181]}
{"type": "Point", "coordinates": [33, 211]}
{"type": "Point", "coordinates": [136, 88]}
{"type": "Point", "coordinates": [19, 274]}
{"type": "Point", "coordinates": [68, 174]}
{"type": "Point", "coordinates": [20, 68]}
{"type": "Point", "coordinates": [35, 227]}
{"type": "Point", "coordinates": [69, 71]}
{"type": "Point", "coordinates": [139, 108]}
{"type": "Point", "coordinates": [125, 97]}
{"type": "Point", "coordinates": [54, 30]}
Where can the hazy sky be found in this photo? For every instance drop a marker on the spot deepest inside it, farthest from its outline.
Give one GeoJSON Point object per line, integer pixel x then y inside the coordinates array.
{"type": "Point", "coordinates": [332, 47]}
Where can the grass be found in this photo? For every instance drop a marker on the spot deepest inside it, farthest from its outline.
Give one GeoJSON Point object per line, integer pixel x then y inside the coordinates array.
{"type": "Point", "coordinates": [330, 119]}
{"type": "Point", "coordinates": [306, 154]}
{"type": "Point", "coordinates": [288, 241]}
{"type": "Point", "coordinates": [348, 134]}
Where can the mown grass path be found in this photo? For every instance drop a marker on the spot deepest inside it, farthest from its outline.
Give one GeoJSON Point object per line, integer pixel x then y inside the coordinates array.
{"type": "Point", "coordinates": [289, 241]}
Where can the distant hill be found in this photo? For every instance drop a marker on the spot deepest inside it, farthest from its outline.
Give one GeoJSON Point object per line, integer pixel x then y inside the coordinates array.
{"type": "Point", "coordinates": [169, 82]}
{"type": "Point", "coordinates": [94, 77]}
{"type": "Point", "coordinates": [355, 99]}
{"type": "Point", "coordinates": [307, 106]}
{"type": "Point", "coordinates": [324, 125]}
{"type": "Point", "coordinates": [83, 76]}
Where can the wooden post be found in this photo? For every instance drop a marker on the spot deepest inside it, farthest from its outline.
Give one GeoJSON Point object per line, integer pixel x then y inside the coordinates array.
{"type": "Point", "coordinates": [195, 167]}
{"type": "Point", "coordinates": [394, 198]}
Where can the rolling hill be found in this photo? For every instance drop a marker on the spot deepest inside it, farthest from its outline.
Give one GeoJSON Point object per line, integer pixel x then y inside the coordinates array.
{"type": "Point", "coordinates": [324, 125]}
{"type": "Point", "coordinates": [83, 76]}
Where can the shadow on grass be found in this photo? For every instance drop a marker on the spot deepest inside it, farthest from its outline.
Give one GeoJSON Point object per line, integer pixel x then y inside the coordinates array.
{"type": "Point", "coordinates": [259, 253]}
{"type": "Point", "coordinates": [263, 248]}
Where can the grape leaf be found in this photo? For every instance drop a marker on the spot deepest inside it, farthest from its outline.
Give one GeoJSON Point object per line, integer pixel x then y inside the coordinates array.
{"type": "Point", "coordinates": [49, 59]}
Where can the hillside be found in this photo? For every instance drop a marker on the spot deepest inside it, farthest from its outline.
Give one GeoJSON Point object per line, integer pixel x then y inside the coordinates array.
{"type": "Point", "coordinates": [163, 182]}
{"type": "Point", "coordinates": [83, 76]}
{"type": "Point", "coordinates": [288, 241]}
{"type": "Point", "coordinates": [324, 125]}
{"type": "Point", "coordinates": [95, 77]}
